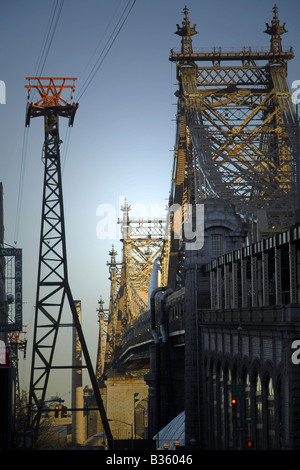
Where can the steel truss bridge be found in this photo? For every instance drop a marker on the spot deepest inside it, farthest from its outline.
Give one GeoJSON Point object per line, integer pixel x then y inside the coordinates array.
{"type": "Point", "coordinates": [236, 140]}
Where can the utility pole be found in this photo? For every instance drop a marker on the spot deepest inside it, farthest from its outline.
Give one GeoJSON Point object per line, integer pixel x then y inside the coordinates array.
{"type": "Point", "coordinates": [53, 289]}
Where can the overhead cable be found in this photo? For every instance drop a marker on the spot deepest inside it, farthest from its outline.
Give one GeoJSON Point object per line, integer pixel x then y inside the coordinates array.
{"type": "Point", "coordinates": [21, 183]}
{"type": "Point", "coordinates": [49, 37]}
{"type": "Point", "coordinates": [112, 38]}
{"type": "Point", "coordinates": [55, 15]}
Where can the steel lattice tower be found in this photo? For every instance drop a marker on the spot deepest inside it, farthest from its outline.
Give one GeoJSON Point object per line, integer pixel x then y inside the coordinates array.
{"type": "Point", "coordinates": [53, 290]}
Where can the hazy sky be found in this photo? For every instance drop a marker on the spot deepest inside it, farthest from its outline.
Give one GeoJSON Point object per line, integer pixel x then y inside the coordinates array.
{"type": "Point", "coordinates": [124, 130]}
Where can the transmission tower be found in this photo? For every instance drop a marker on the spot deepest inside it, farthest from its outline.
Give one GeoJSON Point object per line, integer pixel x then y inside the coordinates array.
{"type": "Point", "coordinates": [53, 289]}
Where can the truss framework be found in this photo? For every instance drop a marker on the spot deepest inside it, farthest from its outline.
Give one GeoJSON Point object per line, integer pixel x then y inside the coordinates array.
{"type": "Point", "coordinates": [239, 121]}
{"type": "Point", "coordinates": [143, 245]}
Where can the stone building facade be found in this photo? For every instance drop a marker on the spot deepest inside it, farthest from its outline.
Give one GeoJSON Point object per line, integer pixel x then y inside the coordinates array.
{"type": "Point", "coordinates": [223, 231]}
{"type": "Point", "coordinates": [242, 336]}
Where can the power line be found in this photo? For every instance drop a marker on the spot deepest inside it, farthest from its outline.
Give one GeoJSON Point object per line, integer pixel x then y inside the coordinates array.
{"type": "Point", "coordinates": [97, 64]}
{"type": "Point", "coordinates": [49, 37]}
{"type": "Point", "coordinates": [67, 139]}
{"type": "Point", "coordinates": [117, 29]}
{"type": "Point", "coordinates": [66, 147]}
{"type": "Point", "coordinates": [100, 41]}
{"type": "Point", "coordinates": [21, 184]}
{"type": "Point", "coordinates": [52, 25]}
{"type": "Point", "coordinates": [54, 18]}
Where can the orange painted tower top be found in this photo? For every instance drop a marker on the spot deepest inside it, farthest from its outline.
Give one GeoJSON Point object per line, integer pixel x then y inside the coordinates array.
{"type": "Point", "coordinates": [50, 97]}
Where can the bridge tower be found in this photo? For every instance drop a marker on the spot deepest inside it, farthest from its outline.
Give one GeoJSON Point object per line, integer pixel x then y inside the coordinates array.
{"type": "Point", "coordinates": [236, 123]}
{"type": "Point", "coordinates": [143, 240]}
{"type": "Point", "coordinates": [102, 319]}
{"type": "Point", "coordinates": [113, 322]}
{"type": "Point", "coordinates": [236, 143]}
{"type": "Point", "coordinates": [53, 290]}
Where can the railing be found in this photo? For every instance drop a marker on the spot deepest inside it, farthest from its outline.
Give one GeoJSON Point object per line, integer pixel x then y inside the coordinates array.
{"type": "Point", "coordinates": [205, 50]}
{"type": "Point", "coordinates": [232, 53]}
{"type": "Point", "coordinates": [258, 275]}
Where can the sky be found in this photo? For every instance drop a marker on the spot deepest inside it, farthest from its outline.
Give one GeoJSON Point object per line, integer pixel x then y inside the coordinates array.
{"type": "Point", "coordinates": [123, 136]}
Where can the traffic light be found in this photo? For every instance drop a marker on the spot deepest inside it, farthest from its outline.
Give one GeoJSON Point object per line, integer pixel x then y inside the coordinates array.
{"type": "Point", "coordinates": [250, 444]}
{"type": "Point", "coordinates": [64, 411]}
{"type": "Point", "coordinates": [56, 411]}
{"type": "Point", "coordinates": [234, 408]}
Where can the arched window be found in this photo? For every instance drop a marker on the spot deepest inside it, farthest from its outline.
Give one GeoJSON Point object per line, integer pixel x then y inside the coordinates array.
{"type": "Point", "coordinates": [278, 414]}
{"type": "Point", "coordinates": [247, 404]}
{"type": "Point", "coordinates": [209, 409]}
{"type": "Point", "coordinates": [270, 413]}
{"type": "Point", "coordinates": [222, 407]}
{"type": "Point", "coordinates": [215, 419]}
{"type": "Point", "coordinates": [258, 412]}
{"type": "Point", "coordinates": [227, 398]}
{"type": "Point", "coordinates": [140, 419]}
{"type": "Point", "coordinates": [229, 414]}
{"type": "Point", "coordinates": [216, 245]}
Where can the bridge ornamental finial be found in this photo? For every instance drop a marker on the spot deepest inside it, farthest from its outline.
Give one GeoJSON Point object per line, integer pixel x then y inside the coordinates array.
{"type": "Point", "coordinates": [275, 31]}
{"type": "Point", "coordinates": [113, 253]}
{"type": "Point", "coordinates": [186, 31]}
{"type": "Point", "coordinates": [100, 310]}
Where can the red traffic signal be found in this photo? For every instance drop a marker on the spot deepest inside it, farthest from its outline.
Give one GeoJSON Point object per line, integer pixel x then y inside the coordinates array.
{"type": "Point", "coordinates": [250, 444]}
{"type": "Point", "coordinates": [56, 411]}
{"type": "Point", "coordinates": [233, 408]}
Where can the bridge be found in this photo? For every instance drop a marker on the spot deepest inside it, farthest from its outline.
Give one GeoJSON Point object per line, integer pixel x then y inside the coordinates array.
{"type": "Point", "coordinates": [203, 318]}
